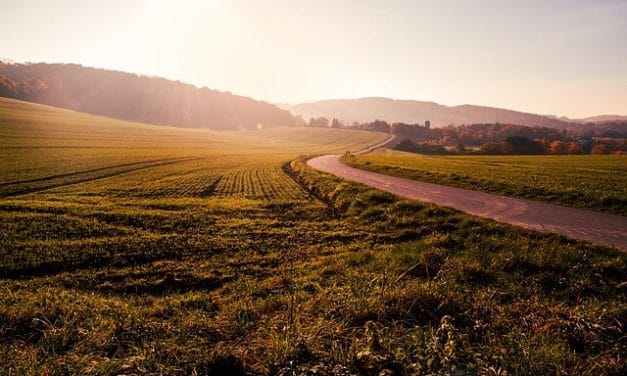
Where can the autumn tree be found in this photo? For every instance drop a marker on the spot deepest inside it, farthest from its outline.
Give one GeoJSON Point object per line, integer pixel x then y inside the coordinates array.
{"type": "Point", "coordinates": [599, 149]}
{"type": "Point", "coordinates": [557, 147]}
{"type": "Point", "coordinates": [573, 148]}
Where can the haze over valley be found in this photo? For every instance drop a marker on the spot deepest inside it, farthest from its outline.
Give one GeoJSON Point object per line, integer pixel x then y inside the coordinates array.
{"type": "Point", "coordinates": [412, 112]}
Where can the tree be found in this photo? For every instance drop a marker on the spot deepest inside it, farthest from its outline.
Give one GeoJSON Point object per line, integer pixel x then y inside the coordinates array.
{"type": "Point", "coordinates": [379, 125]}
{"type": "Point", "coordinates": [406, 145]}
{"type": "Point", "coordinates": [430, 148]}
{"type": "Point", "coordinates": [573, 148]}
{"type": "Point", "coordinates": [492, 148]}
{"type": "Point", "coordinates": [320, 122]}
{"type": "Point", "coordinates": [8, 88]}
{"type": "Point", "coordinates": [599, 149]}
{"type": "Point", "coordinates": [557, 147]}
{"type": "Point", "coordinates": [460, 148]}
{"type": "Point", "coordinates": [523, 145]}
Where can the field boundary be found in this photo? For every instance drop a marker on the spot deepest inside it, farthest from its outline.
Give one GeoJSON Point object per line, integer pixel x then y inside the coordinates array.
{"type": "Point", "coordinates": [376, 146]}
{"type": "Point", "coordinates": [287, 169]}
{"type": "Point", "coordinates": [311, 191]}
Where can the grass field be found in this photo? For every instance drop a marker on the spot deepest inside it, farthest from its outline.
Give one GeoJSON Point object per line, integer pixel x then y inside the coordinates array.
{"type": "Point", "coordinates": [583, 181]}
{"type": "Point", "coordinates": [130, 249]}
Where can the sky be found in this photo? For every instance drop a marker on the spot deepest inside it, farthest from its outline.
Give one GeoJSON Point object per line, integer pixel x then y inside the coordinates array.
{"type": "Point", "coordinates": [560, 57]}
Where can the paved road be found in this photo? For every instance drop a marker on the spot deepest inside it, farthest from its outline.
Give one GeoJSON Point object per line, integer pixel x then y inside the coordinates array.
{"type": "Point", "coordinates": [606, 229]}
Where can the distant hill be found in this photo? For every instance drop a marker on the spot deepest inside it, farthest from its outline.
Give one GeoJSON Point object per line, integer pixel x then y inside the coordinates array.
{"type": "Point", "coordinates": [410, 111]}
{"type": "Point", "coordinates": [137, 98]}
{"type": "Point", "coordinates": [603, 119]}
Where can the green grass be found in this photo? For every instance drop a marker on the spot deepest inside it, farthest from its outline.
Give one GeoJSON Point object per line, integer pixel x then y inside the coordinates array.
{"type": "Point", "coordinates": [594, 182]}
{"type": "Point", "coordinates": [241, 259]}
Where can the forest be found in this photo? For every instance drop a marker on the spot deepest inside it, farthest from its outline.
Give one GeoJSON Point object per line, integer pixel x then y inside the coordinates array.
{"type": "Point", "coordinates": [128, 96]}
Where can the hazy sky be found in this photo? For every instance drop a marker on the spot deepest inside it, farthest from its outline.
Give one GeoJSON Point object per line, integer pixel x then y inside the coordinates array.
{"type": "Point", "coordinates": [564, 57]}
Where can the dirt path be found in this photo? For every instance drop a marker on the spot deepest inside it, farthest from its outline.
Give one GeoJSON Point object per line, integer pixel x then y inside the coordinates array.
{"type": "Point", "coordinates": [606, 229]}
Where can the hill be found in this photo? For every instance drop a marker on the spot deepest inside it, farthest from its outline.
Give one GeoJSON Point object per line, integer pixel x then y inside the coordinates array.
{"type": "Point", "coordinates": [603, 119]}
{"type": "Point", "coordinates": [411, 111]}
{"type": "Point", "coordinates": [40, 143]}
{"type": "Point", "coordinates": [132, 97]}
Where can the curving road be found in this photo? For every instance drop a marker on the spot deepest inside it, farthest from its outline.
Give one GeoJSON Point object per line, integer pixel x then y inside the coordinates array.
{"type": "Point", "coordinates": [606, 229]}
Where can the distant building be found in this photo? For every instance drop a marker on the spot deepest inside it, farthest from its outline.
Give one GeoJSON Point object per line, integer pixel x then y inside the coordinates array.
{"type": "Point", "coordinates": [427, 124]}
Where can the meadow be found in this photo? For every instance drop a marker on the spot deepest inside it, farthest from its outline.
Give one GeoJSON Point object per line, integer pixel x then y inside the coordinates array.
{"type": "Point", "coordinates": [132, 249]}
{"type": "Point", "coordinates": [594, 182]}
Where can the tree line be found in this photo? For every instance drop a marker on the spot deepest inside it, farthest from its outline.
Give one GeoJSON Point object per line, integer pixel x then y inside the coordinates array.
{"type": "Point", "coordinates": [497, 138]}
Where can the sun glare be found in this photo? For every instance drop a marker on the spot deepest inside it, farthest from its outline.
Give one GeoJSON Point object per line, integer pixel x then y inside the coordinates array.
{"type": "Point", "coordinates": [167, 36]}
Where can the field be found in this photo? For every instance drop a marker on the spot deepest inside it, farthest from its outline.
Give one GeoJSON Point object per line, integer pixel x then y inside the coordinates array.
{"type": "Point", "coordinates": [594, 182]}
{"type": "Point", "coordinates": [131, 249]}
